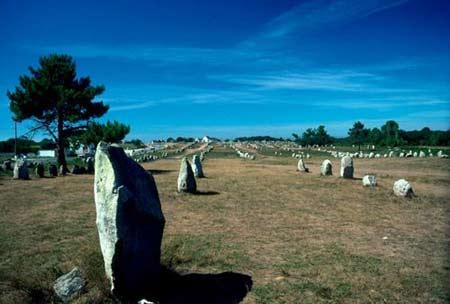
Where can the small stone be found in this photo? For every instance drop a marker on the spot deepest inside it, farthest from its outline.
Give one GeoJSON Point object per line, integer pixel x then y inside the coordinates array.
{"type": "Point", "coordinates": [39, 170]}
{"type": "Point", "coordinates": [403, 188]}
{"type": "Point", "coordinates": [70, 285]}
{"type": "Point", "coordinates": [52, 170]}
{"type": "Point", "coordinates": [301, 166]}
{"type": "Point", "coordinates": [21, 170]}
{"type": "Point", "coordinates": [369, 181]}
{"type": "Point", "coordinates": [347, 167]}
{"type": "Point", "coordinates": [197, 166]}
{"type": "Point", "coordinates": [186, 178]}
{"type": "Point", "coordinates": [326, 168]}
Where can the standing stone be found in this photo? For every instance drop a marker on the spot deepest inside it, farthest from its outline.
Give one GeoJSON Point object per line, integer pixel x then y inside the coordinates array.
{"type": "Point", "coordinates": [39, 170]}
{"type": "Point", "coordinates": [75, 169]}
{"type": "Point", "coordinates": [369, 181]}
{"type": "Point", "coordinates": [371, 155]}
{"type": "Point", "coordinates": [301, 166]}
{"type": "Point", "coordinates": [52, 170]}
{"type": "Point", "coordinates": [197, 166]}
{"type": "Point", "coordinates": [186, 178]}
{"type": "Point", "coordinates": [7, 165]}
{"type": "Point", "coordinates": [21, 170]}
{"type": "Point", "coordinates": [326, 168]}
{"type": "Point", "coordinates": [391, 153]}
{"type": "Point", "coordinates": [90, 165]}
{"type": "Point", "coordinates": [62, 170]}
{"type": "Point", "coordinates": [130, 222]}
{"type": "Point", "coordinates": [422, 154]}
{"type": "Point", "coordinates": [70, 285]}
{"type": "Point", "coordinates": [403, 188]}
{"type": "Point", "coordinates": [347, 167]}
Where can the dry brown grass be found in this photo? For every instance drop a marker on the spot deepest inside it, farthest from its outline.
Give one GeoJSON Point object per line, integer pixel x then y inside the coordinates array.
{"type": "Point", "coordinates": [303, 238]}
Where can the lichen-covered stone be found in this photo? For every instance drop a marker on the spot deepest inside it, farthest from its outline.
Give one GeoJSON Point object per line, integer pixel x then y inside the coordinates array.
{"type": "Point", "coordinates": [21, 170]}
{"type": "Point", "coordinates": [197, 166]}
{"type": "Point", "coordinates": [369, 181]}
{"type": "Point", "coordinates": [301, 166]}
{"type": "Point", "coordinates": [70, 285]}
{"type": "Point", "coordinates": [326, 168]}
{"type": "Point", "coordinates": [186, 178]}
{"type": "Point", "coordinates": [39, 170]}
{"type": "Point", "coordinates": [346, 167]}
{"type": "Point", "coordinates": [403, 188]}
{"type": "Point", "coordinates": [130, 222]}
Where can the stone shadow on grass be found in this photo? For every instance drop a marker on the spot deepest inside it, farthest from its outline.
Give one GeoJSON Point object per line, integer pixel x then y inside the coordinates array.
{"type": "Point", "coordinates": [206, 192]}
{"type": "Point", "coordinates": [221, 288]}
{"type": "Point", "coordinates": [159, 171]}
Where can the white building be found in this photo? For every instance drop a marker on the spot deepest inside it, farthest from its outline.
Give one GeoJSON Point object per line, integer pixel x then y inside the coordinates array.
{"type": "Point", "coordinates": [46, 153]}
{"type": "Point", "coordinates": [206, 139]}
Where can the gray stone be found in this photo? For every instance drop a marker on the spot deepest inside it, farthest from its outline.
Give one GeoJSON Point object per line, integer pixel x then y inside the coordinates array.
{"type": "Point", "coordinates": [197, 166]}
{"type": "Point", "coordinates": [39, 170]}
{"type": "Point", "coordinates": [301, 166]}
{"type": "Point", "coordinates": [52, 170]}
{"type": "Point", "coordinates": [422, 154]}
{"type": "Point", "coordinates": [7, 165]}
{"type": "Point", "coordinates": [346, 167]}
{"type": "Point", "coordinates": [369, 181]}
{"type": "Point", "coordinates": [130, 222]}
{"type": "Point", "coordinates": [62, 170]}
{"type": "Point", "coordinates": [403, 188]}
{"type": "Point", "coordinates": [76, 169]}
{"type": "Point", "coordinates": [326, 168]}
{"type": "Point", "coordinates": [186, 178]}
{"type": "Point", "coordinates": [90, 165]}
{"type": "Point", "coordinates": [70, 285]}
{"type": "Point", "coordinates": [21, 170]}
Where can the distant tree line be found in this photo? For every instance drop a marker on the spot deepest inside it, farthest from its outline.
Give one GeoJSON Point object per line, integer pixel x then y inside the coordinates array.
{"type": "Point", "coordinates": [389, 134]}
{"type": "Point", "coordinates": [25, 145]}
{"type": "Point", "coordinates": [258, 138]}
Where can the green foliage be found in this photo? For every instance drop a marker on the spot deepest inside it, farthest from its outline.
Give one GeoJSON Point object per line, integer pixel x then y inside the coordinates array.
{"type": "Point", "coordinates": [137, 143]}
{"type": "Point", "coordinates": [258, 138]}
{"type": "Point", "coordinates": [56, 100]}
{"type": "Point", "coordinates": [25, 145]}
{"type": "Point", "coordinates": [112, 132]}
{"type": "Point", "coordinates": [358, 134]}
{"type": "Point", "coordinates": [317, 136]}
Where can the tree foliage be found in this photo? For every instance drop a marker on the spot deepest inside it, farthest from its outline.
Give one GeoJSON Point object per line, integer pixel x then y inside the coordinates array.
{"type": "Point", "coordinates": [111, 132]}
{"type": "Point", "coordinates": [56, 100]}
{"type": "Point", "coordinates": [358, 134]}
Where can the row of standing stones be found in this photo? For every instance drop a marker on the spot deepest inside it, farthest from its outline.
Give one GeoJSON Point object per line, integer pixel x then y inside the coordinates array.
{"type": "Point", "coordinates": [21, 168]}
{"type": "Point", "coordinates": [130, 224]}
{"type": "Point", "coordinates": [401, 187]}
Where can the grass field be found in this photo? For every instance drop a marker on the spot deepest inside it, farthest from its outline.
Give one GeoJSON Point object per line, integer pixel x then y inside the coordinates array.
{"type": "Point", "coordinates": [301, 237]}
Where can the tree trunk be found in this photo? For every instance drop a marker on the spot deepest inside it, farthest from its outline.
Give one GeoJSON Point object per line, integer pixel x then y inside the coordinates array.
{"type": "Point", "coordinates": [60, 145]}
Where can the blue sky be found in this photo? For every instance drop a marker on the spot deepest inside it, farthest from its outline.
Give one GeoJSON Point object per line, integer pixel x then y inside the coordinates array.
{"type": "Point", "coordinates": [234, 68]}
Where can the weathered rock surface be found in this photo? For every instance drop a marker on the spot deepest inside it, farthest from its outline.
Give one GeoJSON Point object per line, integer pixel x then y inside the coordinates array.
{"type": "Point", "coordinates": [301, 166]}
{"type": "Point", "coordinates": [369, 181]}
{"type": "Point", "coordinates": [70, 285]}
{"type": "Point", "coordinates": [326, 168]}
{"type": "Point", "coordinates": [39, 170]}
{"type": "Point", "coordinates": [346, 167]}
{"type": "Point", "coordinates": [197, 166]}
{"type": "Point", "coordinates": [21, 170]}
{"type": "Point", "coordinates": [186, 178]}
{"type": "Point", "coordinates": [130, 222]}
{"type": "Point", "coordinates": [403, 188]}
